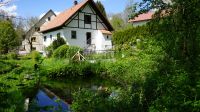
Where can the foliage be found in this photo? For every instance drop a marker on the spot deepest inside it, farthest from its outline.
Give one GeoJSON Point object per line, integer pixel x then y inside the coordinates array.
{"type": "Point", "coordinates": [7, 37]}
{"type": "Point", "coordinates": [12, 55]}
{"type": "Point", "coordinates": [75, 71]}
{"type": "Point", "coordinates": [102, 100]}
{"type": "Point", "coordinates": [49, 50]}
{"type": "Point", "coordinates": [130, 35]}
{"type": "Point", "coordinates": [66, 51]}
{"type": "Point", "coordinates": [36, 56]}
{"type": "Point", "coordinates": [58, 42]}
{"type": "Point", "coordinates": [117, 22]}
{"type": "Point", "coordinates": [73, 50]}
{"type": "Point", "coordinates": [130, 9]}
{"type": "Point", "coordinates": [101, 8]}
{"type": "Point", "coordinates": [61, 52]}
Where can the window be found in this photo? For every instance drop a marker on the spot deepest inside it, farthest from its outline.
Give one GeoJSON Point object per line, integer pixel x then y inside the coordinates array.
{"type": "Point", "coordinates": [49, 18]}
{"type": "Point", "coordinates": [73, 34]}
{"type": "Point", "coordinates": [58, 35]}
{"type": "Point", "coordinates": [45, 38]}
{"type": "Point", "coordinates": [87, 19]}
{"type": "Point", "coordinates": [51, 37]}
{"type": "Point", "coordinates": [33, 39]}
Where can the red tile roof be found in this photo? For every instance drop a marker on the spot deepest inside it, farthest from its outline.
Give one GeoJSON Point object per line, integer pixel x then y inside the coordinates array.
{"type": "Point", "coordinates": [62, 17]}
{"type": "Point", "coordinates": [142, 17]}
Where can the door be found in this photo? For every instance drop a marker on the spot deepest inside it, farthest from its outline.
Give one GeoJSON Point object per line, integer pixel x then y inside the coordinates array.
{"type": "Point", "coordinates": [88, 38]}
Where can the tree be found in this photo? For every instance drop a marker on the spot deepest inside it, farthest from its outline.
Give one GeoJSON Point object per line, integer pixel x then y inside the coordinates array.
{"type": "Point", "coordinates": [117, 22]}
{"type": "Point", "coordinates": [8, 37]}
{"type": "Point", "coordinates": [101, 8]}
{"type": "Point", "coordinates": [30, 28]}
{"type": "Point", "coordinates": [4, 2]}
{"type": "Point", "coordinates": [59, 42]}
{"type": "Point", "coordinates": [20, 31]}
{"type": "Point", "coordinates": [177, 23]}
{"type": "Point", "coordinates": [31, 22]}
{"type": "Point", "coordinates": [130, 10]}
{"type": "Point", "coordinates": [176, 29]}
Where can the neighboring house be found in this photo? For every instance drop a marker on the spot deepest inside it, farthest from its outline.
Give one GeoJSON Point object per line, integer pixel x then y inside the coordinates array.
{"type": "Point", "coordinates": [82, 25]}
{"type": "Point", "coordinates": [142, 19]}
{"type": "Point", "coordinates": [34, 37]}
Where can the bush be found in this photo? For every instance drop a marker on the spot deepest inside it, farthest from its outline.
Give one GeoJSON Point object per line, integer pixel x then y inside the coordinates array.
{"type": "Point", "coordinates": [36, 56]}
{"type": "Point", "coordinates": [129, 36]}
{"type": "Point", "coordinates": [57, 43]}
{"type": "Point", "coordinates": [73, 50]}
{"type": "Point", "coordinates": [75, 71]}
{"type": "Point", "coordinates": [61, 51]}
{"type": "Point", "coordinates": [12, 55]}
{"type": "Point", "coordinates": [66, 51]}
{"type": "Point", "coordinates": [49, 51]}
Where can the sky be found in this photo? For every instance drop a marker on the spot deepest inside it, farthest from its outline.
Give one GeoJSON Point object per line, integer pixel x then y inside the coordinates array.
{"type": "Point", "coordinates": [29, 8]}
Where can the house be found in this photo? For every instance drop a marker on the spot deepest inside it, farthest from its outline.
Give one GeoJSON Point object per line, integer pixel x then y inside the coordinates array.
{"type": "Point", "coordinates": [142, 19]}
{"type": "Point", "coordinates": [81, 25]}
{"type": "Point", "coordinates": [33, 38]}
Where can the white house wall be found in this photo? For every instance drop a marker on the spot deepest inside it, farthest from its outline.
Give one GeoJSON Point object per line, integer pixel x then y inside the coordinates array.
{"type": "Point", "coordinates": [98, 39]}
{"type": "Point", "coordinates": [54, 37]}
{"type": "Point", "coordinates": [140, 23]}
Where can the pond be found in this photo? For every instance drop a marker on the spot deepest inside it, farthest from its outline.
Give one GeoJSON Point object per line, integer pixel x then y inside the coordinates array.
{"type": "Point", "coordinates": [48, 98]}
{"type": "Point", "coordinates": [45, 102]}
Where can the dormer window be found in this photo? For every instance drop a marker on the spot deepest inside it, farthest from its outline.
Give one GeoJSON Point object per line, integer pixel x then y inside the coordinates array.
{"type": "Point", "coordinates": [49, 18]}
{"type": "Point", "coordinates": [87, 19]}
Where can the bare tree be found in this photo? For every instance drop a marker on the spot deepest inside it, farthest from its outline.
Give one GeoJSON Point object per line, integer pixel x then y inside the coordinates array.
{"type": "Point", "coordinates": [130, 10]}
{"type": "Point", "coordinates": [31, 27]}
{"type": "Point", "coordinates": [5, 2]}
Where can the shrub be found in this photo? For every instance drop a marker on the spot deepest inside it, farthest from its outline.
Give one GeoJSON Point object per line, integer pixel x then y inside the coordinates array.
{"type": "Point", "coordinates": [36, 56]}
{"type": "Point", "coordinates": [12, 55]}
{"type": "Point", "coordinates": [49, 51]}
{"type": "Point", "coordinates": [73, 50]}
{"type": "Point", "coordinates": [75, 71]}
{"type": "Point", "coordinates": [66, 51]}
{"type": "Point", "coordinates": [57, 43]}
{"type": "Point", "coordinates": [129, 36]}
{"type": "Point", "coordinates": [61, 51]}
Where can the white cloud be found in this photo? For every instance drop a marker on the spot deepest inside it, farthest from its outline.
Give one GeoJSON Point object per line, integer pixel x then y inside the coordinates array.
{"type": "Point", "coordinates": [10, 10]}
{"type": "Point", "coordinates": [56, 12]}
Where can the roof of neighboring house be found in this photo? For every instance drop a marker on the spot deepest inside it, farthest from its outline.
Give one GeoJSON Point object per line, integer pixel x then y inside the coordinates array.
{"type": "Point", "coordinates": [142, 17]}
{"type": "Point", "coordinates": [63, 17]}
{"type": "Point", "coordinates": [29, 32]}
{"type": "Point", "coordinates": [106, 32]}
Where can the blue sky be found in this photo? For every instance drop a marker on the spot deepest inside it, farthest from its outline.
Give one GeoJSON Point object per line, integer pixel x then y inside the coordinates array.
{"type": "Point", "coordinates": [28, 8]}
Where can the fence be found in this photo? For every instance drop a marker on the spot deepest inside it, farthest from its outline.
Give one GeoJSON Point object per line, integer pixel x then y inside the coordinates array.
{"type": "Point", "coordinates": [99, 54]}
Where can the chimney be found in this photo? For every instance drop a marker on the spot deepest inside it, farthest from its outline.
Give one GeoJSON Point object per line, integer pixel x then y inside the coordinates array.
{"type": "Point", "coordinates": [75, 2]}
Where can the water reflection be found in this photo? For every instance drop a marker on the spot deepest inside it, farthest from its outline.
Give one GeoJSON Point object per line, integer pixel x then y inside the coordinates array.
{"type": "Point", "coordinates": [45, 103]}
